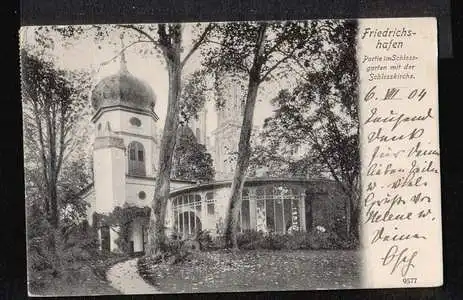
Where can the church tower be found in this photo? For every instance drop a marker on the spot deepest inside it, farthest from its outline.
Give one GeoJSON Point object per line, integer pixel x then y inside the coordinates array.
{"type": "Point", "coordinates": [227, 133]}
{"type": "Point", "coordinates": [198, 126]}
{"type": "Point", "coordinates": [126, 144]}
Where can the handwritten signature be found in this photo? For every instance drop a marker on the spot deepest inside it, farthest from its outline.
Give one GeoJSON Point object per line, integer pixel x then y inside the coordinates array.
{"type": "Point", "coordinates": [399, 260]}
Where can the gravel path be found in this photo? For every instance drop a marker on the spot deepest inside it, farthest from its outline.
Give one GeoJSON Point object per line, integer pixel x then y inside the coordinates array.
{"type": "Point", "coordinates": [125, 278]}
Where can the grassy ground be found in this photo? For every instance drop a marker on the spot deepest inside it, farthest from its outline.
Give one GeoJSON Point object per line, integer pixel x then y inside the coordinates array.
{"type": "Point", "coordinates": [256, 270]}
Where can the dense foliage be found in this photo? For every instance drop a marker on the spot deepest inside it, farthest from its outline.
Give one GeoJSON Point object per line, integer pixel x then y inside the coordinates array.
{"type": "Point", "coordinates": [60, 247]}
{"type": "Point", "coordinates": [191, 160]}
{"type": "Point", "coordinates": [53, 106]}
{"type": "Point", "coordinates": [67, 254]}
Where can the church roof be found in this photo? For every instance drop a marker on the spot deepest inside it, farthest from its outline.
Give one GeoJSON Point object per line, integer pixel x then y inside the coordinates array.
{"type": "Point", "coordinates": [251, 181]}
{"type": "Point", "coordinates": [123, 89]}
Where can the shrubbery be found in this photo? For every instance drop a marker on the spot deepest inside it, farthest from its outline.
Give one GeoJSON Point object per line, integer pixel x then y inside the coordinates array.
{"type": "Point", "coordinates": [205, 240]}
{"type": "Point", "coordinates": [251, 240]}
{"type": "Point", "coordinates": [70, 261]}
{"type": "Point", "coordinates": [313, 240]}
{"type": "Point", "coordinates": [176, 251]}
{"type": "Point", "coordinates": [69, 255]}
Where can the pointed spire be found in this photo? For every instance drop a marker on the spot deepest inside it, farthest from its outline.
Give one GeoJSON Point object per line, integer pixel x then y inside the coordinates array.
{"type": "Point", "coordinates": [123, 61]}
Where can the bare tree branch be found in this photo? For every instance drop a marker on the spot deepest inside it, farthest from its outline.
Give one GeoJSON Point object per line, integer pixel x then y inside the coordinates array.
{"type": "Point", "coordinates": [142, 32]}
{"type": "Point", "coordinates": [123, 49]}
{"type": "Point", "coordinates": [200, 41]}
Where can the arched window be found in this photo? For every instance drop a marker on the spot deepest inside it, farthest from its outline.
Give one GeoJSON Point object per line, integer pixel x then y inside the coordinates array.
{"type": "Point", "coordinates": [188, 224]}
{"type": "Point", "coordinates": [210, 204]}
{"type": "Point", "coordinates": [136, 159]}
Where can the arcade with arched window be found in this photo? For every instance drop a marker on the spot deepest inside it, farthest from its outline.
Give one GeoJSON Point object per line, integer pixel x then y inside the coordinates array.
{"type": "Point", "coordinates": [187, 212]}
{"type": "Point", "coordinates": [271, 207]}
{"type": "Point", "coordinates": [136, 158]}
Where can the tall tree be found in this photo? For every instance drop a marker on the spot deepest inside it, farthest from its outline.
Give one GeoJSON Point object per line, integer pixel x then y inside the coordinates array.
{"type": "Point", "coordinates": [166, 40]}
{"type": "Point", "coordinates": [53, 103]}
{"type": "Point", "coordinates": [169, 40]}
{"type": "Point", "coordinates": [321, 113]}
{"type": "Point", "coordinates": [259, 52]}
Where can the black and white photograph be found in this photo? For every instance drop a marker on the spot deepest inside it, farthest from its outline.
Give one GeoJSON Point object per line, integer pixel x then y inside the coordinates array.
{"type": "Point", "coordinates": [191, 157]}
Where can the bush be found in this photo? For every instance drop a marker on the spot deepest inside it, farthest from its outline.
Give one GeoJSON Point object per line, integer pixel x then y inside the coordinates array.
{"type": "Point", "coordinates": [175, 235]}
{"type": "Point", "coordinates": [298, 240]}
{"type": "Point", "coordinates": [218, 242]}
{"type": "Point", "coordinates": [176, 252]}
{"type": "Point", "coordinates": [318, 240]}
{"type": "Point", "coordinates": [79, 243]}
{"type": "Point", "coordinates": [205, 240]}
{"type": "Point", "coordinates": [349, 243]}
{"type": "Point", "coordinates": [250, 239]}
{"type": "Point", "coordinates": [275, 241]}
{"type": "Point", "coordinates": [42, 263]}
{"type": "Point", "coordinates": [68, 255]}
{"type": "Point", "coordinates": [255, 240]}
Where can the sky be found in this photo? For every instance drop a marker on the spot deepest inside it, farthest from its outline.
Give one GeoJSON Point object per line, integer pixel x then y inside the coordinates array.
{"type": "Point", "coordinates": [86, 54]}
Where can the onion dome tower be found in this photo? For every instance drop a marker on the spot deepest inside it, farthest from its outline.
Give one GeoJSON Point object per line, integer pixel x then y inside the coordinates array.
{"type": "Point", "coordinates": [126, 148]}
{"type": "Point", "coordinates": [123, 90]}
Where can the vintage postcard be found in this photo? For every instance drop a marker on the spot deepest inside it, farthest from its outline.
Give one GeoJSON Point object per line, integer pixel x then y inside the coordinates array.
{"type": "Point", "coordinates": [231, 156]}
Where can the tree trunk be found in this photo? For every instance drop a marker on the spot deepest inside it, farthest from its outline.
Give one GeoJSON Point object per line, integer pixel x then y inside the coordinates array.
{"type": "Point", "coordinates": [354, 215]}
{"type": "Point", "coordinates": [157, 236]}
{"type": "Point", "coordinates": [54, 215]}
{"type": "Point", "coordinates": [244, 150]}
{"type": "Point", "coordinates": [308, 211]}
{"type": "Point", "coordinates": [348, 209]}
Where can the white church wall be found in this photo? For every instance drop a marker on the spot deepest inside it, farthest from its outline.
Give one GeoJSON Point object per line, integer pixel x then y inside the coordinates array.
{"type": "Point", "coordinates": [137, 185]}
{"type": "Point", "coordinates": [146, 124]}
{"type": "Point", "coordinates": [114, 119]}
{"type": "Point", "coordinates": [109, 177]}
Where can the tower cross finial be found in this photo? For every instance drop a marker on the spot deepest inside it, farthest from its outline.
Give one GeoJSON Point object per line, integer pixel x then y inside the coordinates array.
{"type": "Point", "coordinates": [123, 61]}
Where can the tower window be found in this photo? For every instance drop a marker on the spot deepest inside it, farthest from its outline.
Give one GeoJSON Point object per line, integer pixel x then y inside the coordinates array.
{"type": "Point", "coordinates": [135, 122]}
{"type": "Point", "coordinates": [136, 159]}
{"type": "Point", "coordinates": [132, 154]}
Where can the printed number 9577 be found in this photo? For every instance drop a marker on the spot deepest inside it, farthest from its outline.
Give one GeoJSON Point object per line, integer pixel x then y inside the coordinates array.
{"type": "Point", "coordinates": [409, 280]}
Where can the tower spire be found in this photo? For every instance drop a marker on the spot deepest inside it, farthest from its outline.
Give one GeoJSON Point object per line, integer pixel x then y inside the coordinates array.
{"type": "Point", "coordinates": [123, 61]}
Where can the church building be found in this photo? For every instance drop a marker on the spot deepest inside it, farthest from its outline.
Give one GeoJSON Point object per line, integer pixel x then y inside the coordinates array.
{"type": "Point", "coordinates": [125, 152]}
{"type": "Point", "coordinates": [125, 157]}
